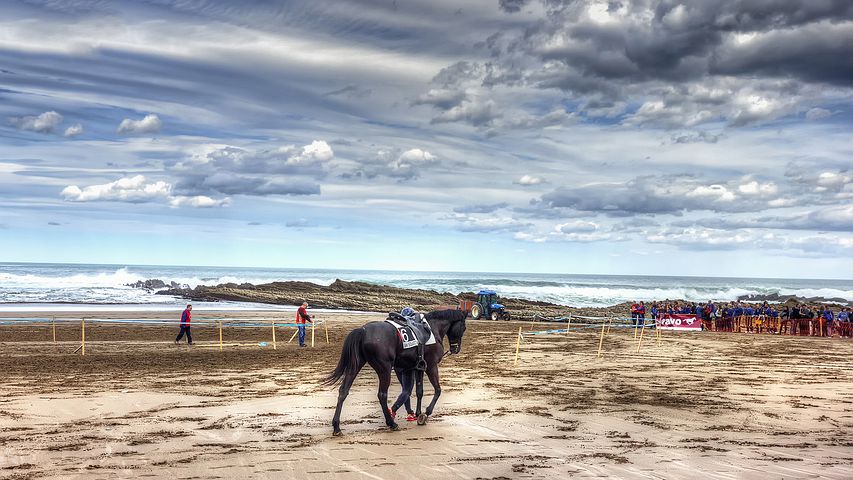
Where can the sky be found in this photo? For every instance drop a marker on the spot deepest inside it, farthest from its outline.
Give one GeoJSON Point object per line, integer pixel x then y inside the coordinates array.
{"type": "Point", "coordinates": [652, 137]}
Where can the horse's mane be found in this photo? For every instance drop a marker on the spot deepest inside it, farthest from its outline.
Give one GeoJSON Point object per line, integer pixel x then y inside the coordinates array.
{"type": "Point", "coordinates": [451, 314]}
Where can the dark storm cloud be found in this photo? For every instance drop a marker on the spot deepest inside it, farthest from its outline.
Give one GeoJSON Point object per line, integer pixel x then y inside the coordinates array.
{"type": "Point", "coordinates": [685, 63]}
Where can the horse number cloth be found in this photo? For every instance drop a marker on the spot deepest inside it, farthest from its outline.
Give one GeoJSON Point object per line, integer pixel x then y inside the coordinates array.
{"type": "Point", "coordinates": [408, 337]}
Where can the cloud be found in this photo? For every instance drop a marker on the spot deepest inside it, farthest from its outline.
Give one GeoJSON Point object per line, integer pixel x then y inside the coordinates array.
{"type": "Point", "coordinates": [54, 224]}
{"type": "Point", "coordinates": [406, 165]}
{"type": "Point", "coordinates": [198, 201]}
{"type": "Point", "coordinates": [489, 224]}
{"type": "Point", "coordinates": [827, 219]}
{"type": "Point", "coordinates": [481, 208]}
{"type": "Point", "coordinates": [670, 194]}
{"type": "Point", "coordinates": [43, 123]}
{"type": "Point", "coordinates": [512, 6]}
{"type": "Point", "coordinates": [717, 239]}
{"type": "Point", "coordinates": [442, 98]}
{"type": "Point", "coordinates": [815, 114]}
{"type": "Point", "coordinates": [529, 180]}
{"type": "Point", "coordinates": [229, 170]}
{"type": "Point", "coordinates": [477, 112]}
{"type": "Point", "coordinates": [150, 124]}
{"type": "Point", "coordinates": [73, 130]}
{"type": "Point", "coordinates": [301, 223]}
{"type": "Point", "coordinates": [577, 226]}
{"type": "Point", "coordinates": [684, 63]}
{"type": "Point", "coordinates": [696, 137]}
{"type": "Point", "coordinates": [129, 189]}
{"type": "Point", "coordinates": [350, 92]}
{"type": "Point", "coordinates": [311, 159]}
{"type": "Point", "coordinates": [137, 189]}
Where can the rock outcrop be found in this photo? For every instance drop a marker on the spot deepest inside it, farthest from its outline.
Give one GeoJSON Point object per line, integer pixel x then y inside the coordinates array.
{"type": "Point", "coordinates": [343, 295]}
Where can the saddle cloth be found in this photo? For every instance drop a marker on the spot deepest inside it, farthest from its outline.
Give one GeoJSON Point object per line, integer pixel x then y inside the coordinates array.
{"type": "Point", "coordinates": [409, 337]}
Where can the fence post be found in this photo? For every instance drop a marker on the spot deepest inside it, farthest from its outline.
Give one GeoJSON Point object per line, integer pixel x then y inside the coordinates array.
{"type": "Point", "coordinates": [326, 328]}
{"type": "Point", "coordinates": [517, 346]}
{"type": "Point", "coordinates": [601, 340]}
{"type": "Point", "coordinates": [569, 326]}
{"type": "Point", "coordinates": [220, 335]}
{"type": "Point", "coordinates": [658, 332]}
{"type": "Point", "coordinates": [53, 325]}
{"type": "Point", "coordinates": [273, 335]}
{"type": "Point", "coordinates": [312, 334]}
{"type": "Point", "coordinates": [642, 331]}
{"type": "Point", "coordinates": [83, 336]}
{"type": "Point", "coordinates": [294, 335]}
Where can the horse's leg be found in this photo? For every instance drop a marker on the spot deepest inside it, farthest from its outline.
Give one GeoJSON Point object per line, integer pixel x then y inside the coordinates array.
{"type": "Point", "coordinates": [432, 373]}
{"type": "Point", "coordinates": [419, 391]}
{"type": "Point", "coordinates": [383, 370]}
{"type": "Point", "coordinates": [405, 379]}
{"type": "Point", "coordinates": [342, 395]}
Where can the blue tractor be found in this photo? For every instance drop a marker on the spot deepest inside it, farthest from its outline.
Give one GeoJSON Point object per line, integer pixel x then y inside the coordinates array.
{"type": "Point", "coordinates": [487, 306]}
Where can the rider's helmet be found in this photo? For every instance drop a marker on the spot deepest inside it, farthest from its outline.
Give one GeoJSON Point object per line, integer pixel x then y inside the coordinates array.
{"type": "Point", "coordinates": [407, 312]}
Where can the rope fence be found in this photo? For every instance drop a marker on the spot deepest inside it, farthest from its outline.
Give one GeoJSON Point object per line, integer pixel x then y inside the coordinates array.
{"type": "Point", "coordinates": [589, 322]}
{"type": "Point", "coordinates": [221, 324]}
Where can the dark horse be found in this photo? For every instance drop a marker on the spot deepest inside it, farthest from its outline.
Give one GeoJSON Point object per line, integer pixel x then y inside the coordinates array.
{"type": "Point", "coordinates": [377, 343]}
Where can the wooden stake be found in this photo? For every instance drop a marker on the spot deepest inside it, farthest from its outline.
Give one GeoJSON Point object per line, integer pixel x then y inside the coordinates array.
{"type": "Point", "coordinates": [220, 335]}
{"type": "Point", "coordinates": [53, 324]}
{"type": "Point", "coordinates": [294, 335]}
{"type": "Point", "coordinates": [569, 326]}
{"type": "Point", "coordinates": [312, 334]}
{"type": "Point", "coordinates": [83, 336]}
{"type": "Point", "coordinates": [601, 340]}
{"type": "Point", "coordinates": [643, 330]}
{"type": "Point", "coordinates": [273, 336]}
{"type": "Point", "coordinates": [517, 347]}
{"type": "Point", "coordinates": [326, 328]}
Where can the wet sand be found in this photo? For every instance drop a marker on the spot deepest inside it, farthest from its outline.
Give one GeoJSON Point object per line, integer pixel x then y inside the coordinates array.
{"type": "Point", "coordinates": [712, 405]}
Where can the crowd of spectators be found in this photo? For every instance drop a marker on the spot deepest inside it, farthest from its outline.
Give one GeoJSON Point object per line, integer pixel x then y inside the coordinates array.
{"type": "Point", "coordinates": [789, 318]}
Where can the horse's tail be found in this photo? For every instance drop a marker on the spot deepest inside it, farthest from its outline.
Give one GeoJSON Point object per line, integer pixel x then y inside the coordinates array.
{"type": "Point", "coordinates": [351, 360]}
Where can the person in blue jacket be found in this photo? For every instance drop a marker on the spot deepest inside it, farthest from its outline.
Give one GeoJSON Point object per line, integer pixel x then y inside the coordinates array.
{"type": "Point", "coordinates": [828, 317]}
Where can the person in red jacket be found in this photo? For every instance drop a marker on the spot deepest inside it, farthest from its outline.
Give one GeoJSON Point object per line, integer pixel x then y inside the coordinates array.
{"type": "Point", "coordinates": [185, 325]}
{"type": "Point", "coordinates": [302, 317]}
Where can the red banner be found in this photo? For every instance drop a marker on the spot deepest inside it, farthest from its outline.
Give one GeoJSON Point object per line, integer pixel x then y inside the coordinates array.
{"type": "Point", "coordinates": [678, 322]}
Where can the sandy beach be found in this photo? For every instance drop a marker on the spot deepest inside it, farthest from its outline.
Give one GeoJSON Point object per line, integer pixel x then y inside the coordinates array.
{"type": "Point", "coordinates": [695, 404]}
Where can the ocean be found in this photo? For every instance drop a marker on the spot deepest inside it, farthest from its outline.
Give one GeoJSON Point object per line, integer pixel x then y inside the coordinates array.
{"type": "Point", "coordinates": [43, 286]}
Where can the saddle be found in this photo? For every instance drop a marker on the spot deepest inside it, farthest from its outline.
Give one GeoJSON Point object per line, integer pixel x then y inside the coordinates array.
{"type": "Point", "coordinates": [420, 330]}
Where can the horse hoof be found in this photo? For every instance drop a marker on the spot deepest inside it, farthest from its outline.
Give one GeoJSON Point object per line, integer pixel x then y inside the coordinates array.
{"type": "Point", "coordinates": [394, 427]}
{"type": "Point", "coordinates": [422, 419]}
{"type": "Point", "coordinates": [337, 433]}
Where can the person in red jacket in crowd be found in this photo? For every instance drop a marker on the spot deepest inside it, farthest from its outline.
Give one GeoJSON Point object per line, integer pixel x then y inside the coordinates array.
{"type": "Point", "coordinates": [185, 325]}
{"type": "Point", "coordinates": [635, 313]}
{"type": "Point", "coordinates": [302, 317]}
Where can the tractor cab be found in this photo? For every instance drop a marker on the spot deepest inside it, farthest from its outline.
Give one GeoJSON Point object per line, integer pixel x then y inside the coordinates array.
{"type": "Point", "coordinates": [487, 306]}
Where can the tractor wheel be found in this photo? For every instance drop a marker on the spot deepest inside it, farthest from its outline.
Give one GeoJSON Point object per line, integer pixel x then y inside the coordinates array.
{"type": "Point", "coordinates": [494, 316]}
{"type": "Point", "coordinates": [507, 316]}
{"type": "Point", "coordinates": [476, 311]}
